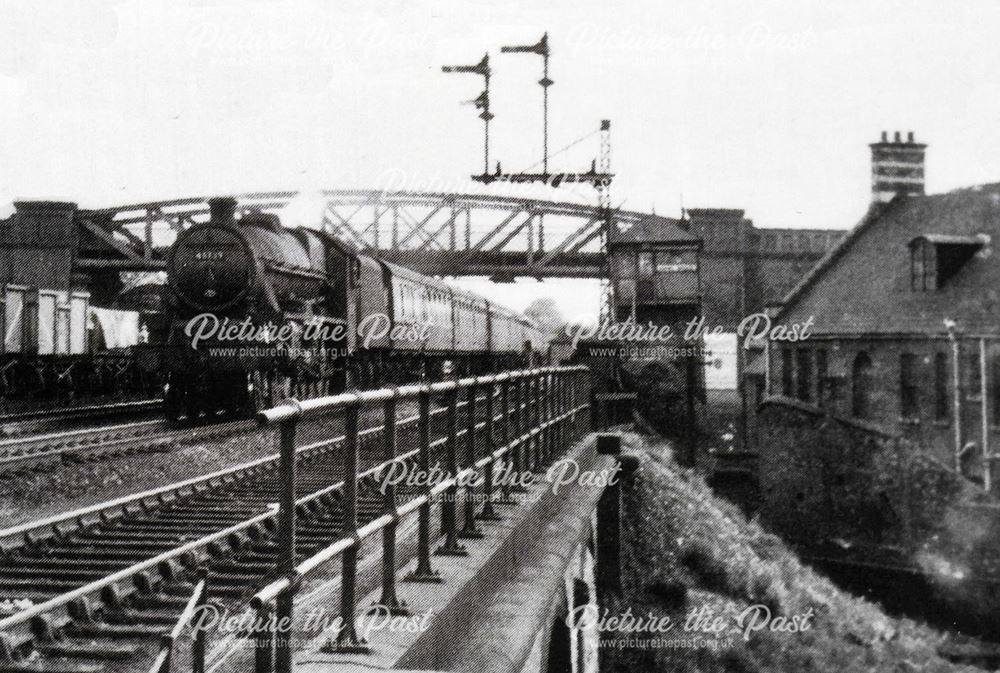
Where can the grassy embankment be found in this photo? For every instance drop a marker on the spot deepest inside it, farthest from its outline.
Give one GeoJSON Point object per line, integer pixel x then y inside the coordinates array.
{"type": "Point", "coordinates": [685, 549]}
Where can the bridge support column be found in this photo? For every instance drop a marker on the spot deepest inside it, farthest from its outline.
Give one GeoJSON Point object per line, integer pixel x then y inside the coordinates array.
{"type": "Point", "coordinates": [609, 518]}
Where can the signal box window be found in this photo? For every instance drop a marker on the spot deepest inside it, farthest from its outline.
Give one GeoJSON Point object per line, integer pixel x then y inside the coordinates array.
{"type": "Point", "coordinates": [646, 264]}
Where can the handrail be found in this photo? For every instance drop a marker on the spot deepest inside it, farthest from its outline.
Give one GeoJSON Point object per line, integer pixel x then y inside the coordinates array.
{"type": "Point", "coordinates": [540, 409]}
{"type": "Point", "coordinates": [306, 408]}
{"type": "Point", "coordinates": [160, 491]}
{"type": "Point", "coordinates": [92, 588]}
{"type": "Point", "coordinates": [162, 662]}
{"type": "Point", "coordinates": [275, 588]}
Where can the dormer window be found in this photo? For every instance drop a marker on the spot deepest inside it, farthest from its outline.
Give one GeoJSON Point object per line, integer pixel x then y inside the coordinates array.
{"type": "Point", "coordinates": [935, 258]}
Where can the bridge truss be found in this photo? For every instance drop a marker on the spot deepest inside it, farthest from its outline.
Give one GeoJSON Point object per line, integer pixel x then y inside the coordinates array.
{"type": "Point", "coordinates": [439, 234]}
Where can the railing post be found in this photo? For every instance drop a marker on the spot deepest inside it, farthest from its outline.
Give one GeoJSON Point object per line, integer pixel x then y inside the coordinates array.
{"type": "Point", "coordinates": [423, 571]}
{"type": "Point", "coordinates": [286, 544]}
{"type": "Point", "coordinates": [283, 625]}
{"type": "Point", "coordinates": [571, 400]}
{"type": "Point", "coordinates": [469, 528]}
{"type": "Point", "coordinates": [505, 435]}
{"type": "Point", "coordinates": [567, 424]}
{"type": "Point", "coordinates": [515, 424]}
{"type": "Point", "coordinates": [389, 598]}
{"type": "Point", "coordinates": [347, 637]}
{"type": "Point", "coordinates": [534, 417]}
{"type": "Point", "coordinates": [286, 504]}
{"type": "Point", "coordinates": [167, 646]}
{"type": "Point", "coordinates": [519, 457]}
{"type": "Point", "coordinates": [547, 416]}
{"type": "Point", "coordinates": [489, 513]}
{"type": "Point", "coordinates": [200, 634]}
{"type": "Point", "coordinates": [263, 641]}
{"type": "Point", "coordinates": [558, 402]}
{"type": "Point", "coordinates": [449, 519]}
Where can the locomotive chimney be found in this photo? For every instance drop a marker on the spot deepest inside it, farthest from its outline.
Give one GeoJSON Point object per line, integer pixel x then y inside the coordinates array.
{"type": "Point", "coordinates": [222, 209]}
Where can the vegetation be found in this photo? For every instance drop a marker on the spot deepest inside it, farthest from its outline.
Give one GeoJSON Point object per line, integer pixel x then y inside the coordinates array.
{"type": "Point", "coordinates": [684, 550]}
{"type": "Point", "coordinates": [661, 387]}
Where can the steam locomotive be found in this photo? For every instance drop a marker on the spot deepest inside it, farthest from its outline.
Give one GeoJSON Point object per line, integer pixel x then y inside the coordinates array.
{"type": "Point", "coordinates": [260, 312]}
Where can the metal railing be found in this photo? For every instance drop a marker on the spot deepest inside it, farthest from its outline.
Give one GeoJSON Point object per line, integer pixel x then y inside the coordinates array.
{"type": "Point", "coordinates": [168, 641]}
{"type": "Point", "coordinates": [15, 629]}
{"type": "Point", "coordinates": [541, 411]}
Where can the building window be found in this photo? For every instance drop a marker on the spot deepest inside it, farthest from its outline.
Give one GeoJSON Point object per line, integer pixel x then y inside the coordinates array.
{"type": "Point", "coordinates": [787, 376]}
{"type": "Point", "coordinates": [804, 368]}
{"type": "Point", "coordinates": [861, 386]}
{"type": "Point", "coordinates": [941, 386]}
{"type": "Point", "coordinates": [822, 374]}
{"type": "Point", "coordinates": [934, 259]}
{"type": "Point", "coordinates": [975, 379]}
{"type": "Point", "coordinates": [995, 389]}
{"type": "Point", "coordinates": [923, 266]}
{"type": "Point", "coordinates": [908, 401]}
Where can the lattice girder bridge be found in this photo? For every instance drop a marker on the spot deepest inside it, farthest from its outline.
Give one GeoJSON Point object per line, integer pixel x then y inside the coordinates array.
{"type": "Point", "coordinates": [440, 234]}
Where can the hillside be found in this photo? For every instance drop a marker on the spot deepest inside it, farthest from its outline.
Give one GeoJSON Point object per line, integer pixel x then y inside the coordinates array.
{"type": "Point", "coordinates": [686, 550]}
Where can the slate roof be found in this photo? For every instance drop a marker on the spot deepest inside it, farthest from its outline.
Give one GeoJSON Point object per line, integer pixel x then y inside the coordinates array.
{"type": "Point", "coordinates": [863, 284]}
{"type": "Point", "coordinates": [653, 229]}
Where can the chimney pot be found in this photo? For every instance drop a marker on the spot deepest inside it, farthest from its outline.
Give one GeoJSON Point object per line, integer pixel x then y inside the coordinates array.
{"type": "Point", "coordinates": [896, 168]}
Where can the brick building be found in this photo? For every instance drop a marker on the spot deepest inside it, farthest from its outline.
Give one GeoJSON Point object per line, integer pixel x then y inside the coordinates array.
{"type": "Point", "coordinates": [906, 322]}
{"type": "Point", "coordinates": [744, 268]}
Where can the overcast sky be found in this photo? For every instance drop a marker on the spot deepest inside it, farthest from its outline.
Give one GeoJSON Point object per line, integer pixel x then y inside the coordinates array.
{"type": "Point", "coordinates": [766, 106]}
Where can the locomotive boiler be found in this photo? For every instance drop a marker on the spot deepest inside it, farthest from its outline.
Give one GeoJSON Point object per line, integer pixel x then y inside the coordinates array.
{"type": "Point", "coordinates": [260, 312]}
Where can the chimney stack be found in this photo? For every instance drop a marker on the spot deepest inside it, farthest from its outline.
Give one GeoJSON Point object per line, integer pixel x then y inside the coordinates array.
{"type": "Point", "coordinates": [897, 167]}
{"type": "Point", "coordinates": [222, 209]}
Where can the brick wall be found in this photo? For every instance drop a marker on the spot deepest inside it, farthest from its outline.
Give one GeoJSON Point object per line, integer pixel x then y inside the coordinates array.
{"type": "Point", "coordinates": [923, 423]}
{"type": "Point", "coordinates": [824, 477]}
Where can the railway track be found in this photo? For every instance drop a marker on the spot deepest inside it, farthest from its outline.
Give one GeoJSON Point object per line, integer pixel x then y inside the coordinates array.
{"type": "Point", "coordinates": [93, 590]}
{"type": "Point", "coordinates": [56, 448]}
{"type": "Point", "coordinates": [22, 422]}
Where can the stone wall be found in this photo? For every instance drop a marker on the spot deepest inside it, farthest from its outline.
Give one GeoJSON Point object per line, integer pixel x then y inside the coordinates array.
{"type": "Point", "coordinates": [827, 479]}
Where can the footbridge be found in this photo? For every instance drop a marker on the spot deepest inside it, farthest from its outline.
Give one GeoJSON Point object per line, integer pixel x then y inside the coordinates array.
{"type": "Point", "coordinates": [436, 233]}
